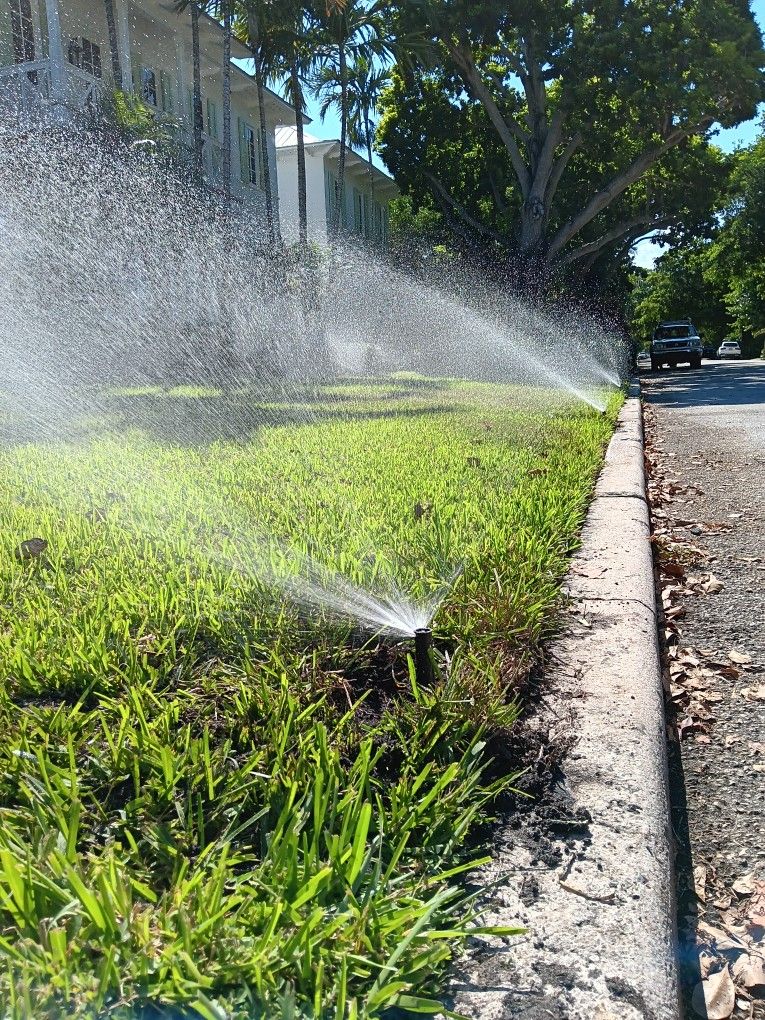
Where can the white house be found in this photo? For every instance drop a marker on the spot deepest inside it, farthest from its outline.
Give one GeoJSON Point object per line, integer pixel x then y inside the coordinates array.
{"type": "Point", "coordinates": [55, 66]}
{"type": "Point", "coordinates": [367, 192]}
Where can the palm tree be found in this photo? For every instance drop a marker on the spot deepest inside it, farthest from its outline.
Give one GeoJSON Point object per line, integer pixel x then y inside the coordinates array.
{"type": "Point", "coordinates": [366, 80]}
{"type": "Point", "coordinates": [196, 99]}
{"type": "Point", "coordinates": [227, 15]}
{"type": "Point", "coordinates": [111, 27]}
{"type": "Point", "coordinates": [257, 26]}
{"type": "Point", "coordinates": [350, 28]}
{"type": "Point", "coordinates": [295, 56]}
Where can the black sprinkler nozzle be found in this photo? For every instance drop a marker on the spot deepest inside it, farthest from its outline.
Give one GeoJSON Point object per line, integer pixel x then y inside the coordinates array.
{"type": "Point", "coordinates": [423, 661]}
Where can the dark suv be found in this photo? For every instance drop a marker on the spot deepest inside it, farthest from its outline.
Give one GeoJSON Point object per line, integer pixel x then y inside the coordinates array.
{"type": "Point", "coordinates": [675, 343]}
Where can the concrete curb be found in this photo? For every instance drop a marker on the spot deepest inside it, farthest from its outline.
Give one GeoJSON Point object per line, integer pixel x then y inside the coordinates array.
{"type": "Point", "coordinates": [601, 926]}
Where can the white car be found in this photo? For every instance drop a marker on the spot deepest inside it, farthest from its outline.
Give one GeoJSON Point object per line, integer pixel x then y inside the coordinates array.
{"type": "Point", "coordinates": [729, 349]}
{"type": "Point", "coordinates": [643, 359]}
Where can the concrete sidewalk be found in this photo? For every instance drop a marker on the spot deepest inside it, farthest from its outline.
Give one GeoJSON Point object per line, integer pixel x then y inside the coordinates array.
{"type": "Point", "coordinates": [601, 935]}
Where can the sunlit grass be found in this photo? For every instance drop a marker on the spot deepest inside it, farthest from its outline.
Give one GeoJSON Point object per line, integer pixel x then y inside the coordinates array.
{"type": "Point", "coordinates": [213, 798]}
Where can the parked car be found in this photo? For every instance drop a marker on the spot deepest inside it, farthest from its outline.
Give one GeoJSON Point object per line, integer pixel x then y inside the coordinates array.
{"type": "Point", "coordinates": [675, 343]}
{"type": "Point", "coordinates": [709, 351]}
{"type": "Point", "coordinates": [729, 349]}
{"type": "Point", "coordinates": [643, 359]}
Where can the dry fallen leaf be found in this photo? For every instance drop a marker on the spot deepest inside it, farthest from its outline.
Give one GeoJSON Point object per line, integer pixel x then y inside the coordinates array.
{"type": "Point", "coordinates": [714, 998]}
{"type": "Point", "coordinates": [740, 658]}
{"type": "Point", "coordinates": [749, 971]}
{"type": "Point", "coordinates": [673, 569]}
{"type": "Point", "coordinates": [745, 885]}
{"type": "Point", "coordinates": [31, 548]}
{"type": "Point", "coordinates": [723, 941]}
{"type": "Point", "coordinates": [713, 585]}
{"type": "Point", "coordinates": [755, 908]}
{"type": "Point", "coordinates": [700, 881]}
{"type": "Point", "coordinates": [754, 693]}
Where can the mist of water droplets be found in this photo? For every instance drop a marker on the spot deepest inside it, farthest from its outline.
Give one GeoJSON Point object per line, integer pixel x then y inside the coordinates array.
{"type": "Point", "coordinates": [116, 275]}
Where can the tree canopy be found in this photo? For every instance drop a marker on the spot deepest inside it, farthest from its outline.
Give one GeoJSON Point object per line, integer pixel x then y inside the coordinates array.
{"type": "Point", "coordinates": [720, 278]}
{"type": "Point", "coordinates": [557, 130]}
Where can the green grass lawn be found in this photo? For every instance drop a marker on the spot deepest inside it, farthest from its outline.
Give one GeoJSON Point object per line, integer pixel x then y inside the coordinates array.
{"type": "Point", "coordinates": [218, 801]}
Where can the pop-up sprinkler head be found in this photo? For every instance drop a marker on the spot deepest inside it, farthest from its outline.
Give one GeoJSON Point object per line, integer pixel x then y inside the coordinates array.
{"type": "Point", "coordinates": [423, 662]}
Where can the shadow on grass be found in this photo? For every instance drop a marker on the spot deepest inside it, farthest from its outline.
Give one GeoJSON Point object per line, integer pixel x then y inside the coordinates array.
{"type": "Point", "coordinates": [197, 415]}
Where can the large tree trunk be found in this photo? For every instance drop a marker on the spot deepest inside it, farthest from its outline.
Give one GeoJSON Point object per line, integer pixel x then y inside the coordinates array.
{"type": "Point", "coordinates": [111, 27]}
{"type": "Point", "coordinates": [297, 98]}
{"type": "Point", "coordinates": [227, 99]}
{"type": "Point", "coordinates": [196, 98]}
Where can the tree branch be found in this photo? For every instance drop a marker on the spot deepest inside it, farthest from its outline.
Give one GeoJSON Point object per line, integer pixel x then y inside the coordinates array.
{"type": "Point", "coordinates": [544, 165]}
{"type": "Point", "coordinates": [621, 230]}
{"type": "Point", "coordinates": [559, 167]}
{"type": "Point", "coordinates": [506, 128]}
{"type": "Point", "coordinates": [619, 184]}
{"type": "Point", "coordinates": [460, 210]}
{"type": "Point", "coordinates": [499, 201]}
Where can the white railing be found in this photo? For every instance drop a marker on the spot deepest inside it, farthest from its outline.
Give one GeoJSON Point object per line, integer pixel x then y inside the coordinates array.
{"type": "Point", "coordinates": [83, 90]}
{"type": "Point", "coordinates": [27, 94]}
{"type": "Point", "coordinates": [25, 91]}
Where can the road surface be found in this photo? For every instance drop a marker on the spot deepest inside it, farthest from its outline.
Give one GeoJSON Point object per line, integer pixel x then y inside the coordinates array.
{"type": "Point", "coordinates": [711, 425]}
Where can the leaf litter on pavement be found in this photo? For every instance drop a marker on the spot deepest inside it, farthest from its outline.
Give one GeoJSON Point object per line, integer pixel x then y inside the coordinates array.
{"type": "Point", "coordinates": [730, 956]}
{"type": "Point", "coordinates": [684, 574]}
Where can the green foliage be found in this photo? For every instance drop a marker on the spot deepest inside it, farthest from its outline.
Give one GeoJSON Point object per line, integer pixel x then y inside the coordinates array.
{"type": "Point", "coordinates": [132, 118]}
{"type": "Point", "coordinates": [679, 287]}
{"type": "Point", "coordinates": [739, 262]}
{"type": "Point", "coordinates": [213, 800]}
{"type": "Point", "coordinates": [525, 127]}
{"type": "Point", "coordinates": [720, 280]}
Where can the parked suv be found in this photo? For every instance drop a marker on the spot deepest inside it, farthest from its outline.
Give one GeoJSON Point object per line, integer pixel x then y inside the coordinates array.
{"type": "Point", "coordinates": [675, 343]}
{"type": "Point", "coordinates": [729, 349]}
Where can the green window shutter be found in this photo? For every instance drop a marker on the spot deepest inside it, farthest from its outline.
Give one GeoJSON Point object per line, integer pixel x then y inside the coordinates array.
{"type": "Point", "coordinates": [212, 118]}
{"type": "Point", "coordinates": [168, 97]}
{"type": "Point", "coordinates": [244, 163]}
{"type": "Point", "coordinates": [261, 171]}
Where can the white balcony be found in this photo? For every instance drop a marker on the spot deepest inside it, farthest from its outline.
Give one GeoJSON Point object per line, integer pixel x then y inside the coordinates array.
{"type": "Point", "coordinates": [27, 96]}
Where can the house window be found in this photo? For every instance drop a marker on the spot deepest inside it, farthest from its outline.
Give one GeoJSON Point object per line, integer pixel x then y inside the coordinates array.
{"type": "Point", "coordinates": [86, 55]}
{"type": "Point", "coordinates": [168, 92]}
{"type": "Point", "coordinates": [249, 154]}
{"type": "Point", "coordinates": [212, 119]}
{"type": "Point", "coordinates": [148, 86]}
{"type": "Point", "coordinates": [91, 58]}
{"type": "Point", "coordinates": [22, 31]}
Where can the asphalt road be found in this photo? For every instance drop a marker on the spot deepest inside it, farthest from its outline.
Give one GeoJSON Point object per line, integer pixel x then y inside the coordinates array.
{"type": "Point", "coordinates": [711, 425]}
{"type": "Point", "coordinates": [721, 395]}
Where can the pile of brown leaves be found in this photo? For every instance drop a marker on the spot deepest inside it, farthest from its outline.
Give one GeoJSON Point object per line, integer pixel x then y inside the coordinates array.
{"type": "Point", "coordinates": [731, 955]}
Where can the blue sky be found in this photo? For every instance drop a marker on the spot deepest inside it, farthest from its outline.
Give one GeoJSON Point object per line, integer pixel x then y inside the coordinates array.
{"type": "Point", "coordinates": [646, 252]}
